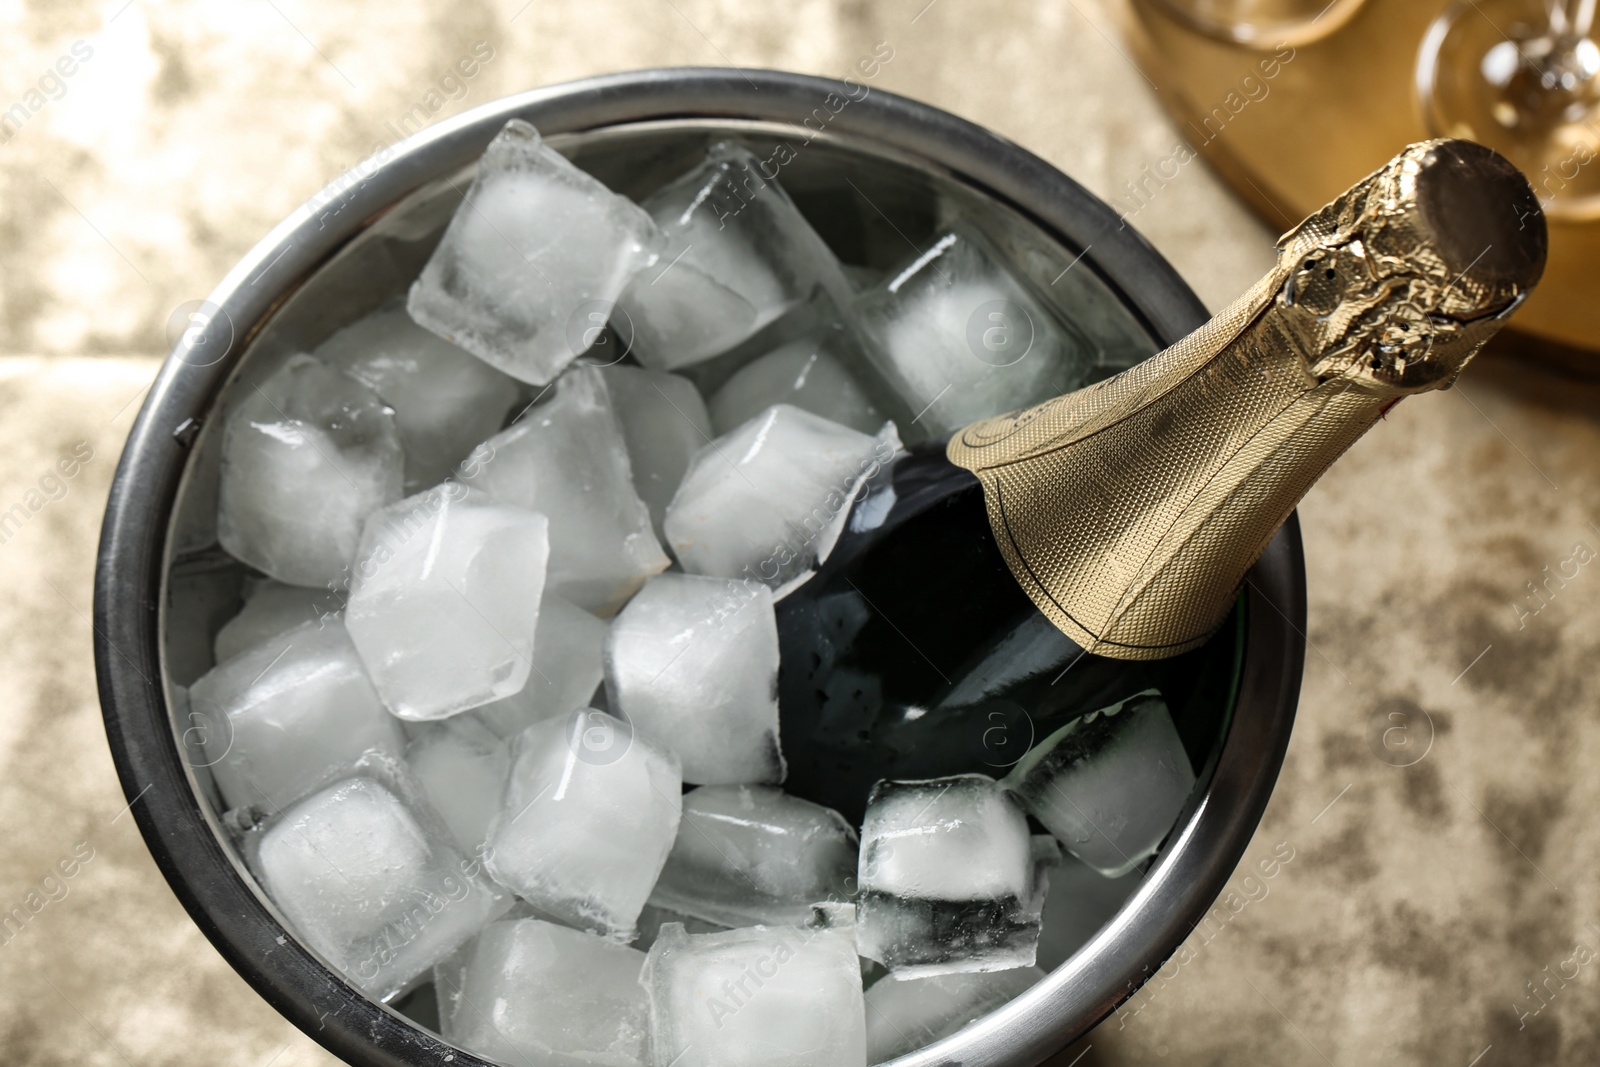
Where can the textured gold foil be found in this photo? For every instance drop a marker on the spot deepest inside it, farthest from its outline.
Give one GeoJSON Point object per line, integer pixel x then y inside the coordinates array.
{"type": "Point", "coordinates": [1131, 510]}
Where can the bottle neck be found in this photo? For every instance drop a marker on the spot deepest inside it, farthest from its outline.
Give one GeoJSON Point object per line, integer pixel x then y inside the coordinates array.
{"type": "Point", "coordinates": [1130, 511]}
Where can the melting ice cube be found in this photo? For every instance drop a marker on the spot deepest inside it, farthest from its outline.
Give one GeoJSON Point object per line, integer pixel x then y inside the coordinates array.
{"type": "Point", "coordinates": [461, 768]}
{"type": "Point", "coordinates": [588, 817]}
{"type": "Point", "coordinates": [682, 316]}
{"type": "Point", "coordinates": [567, 458]}
{"type": "Point", "coordinates": [269, 609]}
{"type": "Point", "coordinates": [445, 601]}
{"type": "Point", "coordinates": [1109, 785]}
{"type": "Point", "coordinates": [767, 501]}
{"type": "Point", "coordinates": [753, 854]}
{"type": "Point", "coordinates": [529, 993]}
{"type": "Point", "coordinates": [664, 423]}
{"type": "Point", "coordinates": [692, 662]}
{"type": "Point", "coordinates": [652, 919]}
{"type": "Point", "coordinates": [808, 373]}
{"type": "Point", "coordinates": [275, 718]}
{"type": "Point", "coordinates": [950, 879]}
{"type": "Point", "coordinates": [306, 456]}
{"type": "Point", "coordinates": [738, 255]}
{"type": "Point", "coordinates": [862, 277]}
{"type": "Point", "coordinates": [958, 339]}
{"type": "Point", "coordinates": [779, 996]}
{"type": "Point", "coordinates": [359, 875]}
{"type": "Point", "coordinates": [536, 249]}
{"type": "Point", "coordinates": [445, 400]}
{"type": "Point", "coordinates": [564, 674]}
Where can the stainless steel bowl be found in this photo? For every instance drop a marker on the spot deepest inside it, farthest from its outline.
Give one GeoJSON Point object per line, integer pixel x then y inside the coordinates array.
{"type": "Point", "coordinates": [162, 589]}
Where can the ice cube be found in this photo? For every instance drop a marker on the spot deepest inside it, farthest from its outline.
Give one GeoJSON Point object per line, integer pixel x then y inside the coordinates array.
{"type": "Point", "coordinates": [652, 919]}
{"type": "Point", "coordinates": [529, 992]}
{"type": "Point", "coordinates": [767, 501]}
{"type": "Point", "coordinates": [567, 458]}
{"type": "Point", "coordinates": [361, 877]}
{"type": "Point", "coordinates": [534, 249]}
{"type": "Point", "coordinates": [460, 766]}
{"type": "Point", "coordinates": [588, 817]}
{"type": "Point", "coordinates": [949, 878]}
{"type": "Point", "coordinates": [751, 854]}
{"type": "Point", "coordinates": [780, 996]}
{"type": "Point", "coordinates": [958, 339]}
{"type": "Point", "coordinates": [564, 674]}
{"type": "Point", "coordinates": [1109, 785]}
{"type": "Point", "coordinates": [681, 316]}
{"type": "Point", "coordinates": [904, 1015]}
{"type": "Point", "coordinates": [445, 601]}
{"type": "Point", "coordinates": [862, 277]}
{"type": "Point", "coordinates": [664, 423]}
{"type": "Point", "coordinates": [269, 609]}
{"type": "Point", "coordinates": [445, 399]}
{"type": "Point", "coordinates": [808, 373]}
{"type": "Point", "coordinates": [692, 662]}
{"type": "Point", "coordinates": [751, 257]}
{"type": "Point", "coordinates": [307, 455]}
{"type": "Point", "coordinates": [273, 719]}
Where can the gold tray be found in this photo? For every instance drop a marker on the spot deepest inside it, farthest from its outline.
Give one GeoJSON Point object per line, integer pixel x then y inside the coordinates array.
{"type": "Point", "coordinates": [1333, 110]}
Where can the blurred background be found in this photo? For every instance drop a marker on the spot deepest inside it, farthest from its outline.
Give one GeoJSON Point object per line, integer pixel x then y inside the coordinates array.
{"type": "Point", "coordinates": [1441, 905]}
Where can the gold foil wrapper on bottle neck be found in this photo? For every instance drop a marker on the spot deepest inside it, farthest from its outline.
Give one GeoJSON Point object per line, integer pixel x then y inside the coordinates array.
{"type": "Point", "coordinates": [1130, 511]}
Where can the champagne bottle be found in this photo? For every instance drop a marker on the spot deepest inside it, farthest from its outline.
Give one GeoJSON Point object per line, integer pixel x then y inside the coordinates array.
{"type": "Point", "coordinates": [1051, 561]}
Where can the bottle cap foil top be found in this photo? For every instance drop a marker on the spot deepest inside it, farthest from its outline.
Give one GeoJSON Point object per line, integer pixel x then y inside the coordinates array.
{"type": "Point", "coordinates": [1130, 511]}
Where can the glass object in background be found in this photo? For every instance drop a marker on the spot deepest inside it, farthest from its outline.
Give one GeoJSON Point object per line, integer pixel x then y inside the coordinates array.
{"type": "Point", "coordinates": [1523, 77]}
{"type": "Point", "coordinates": [1263, 23]}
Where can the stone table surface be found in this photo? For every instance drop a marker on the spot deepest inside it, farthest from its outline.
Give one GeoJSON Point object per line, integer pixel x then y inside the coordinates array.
{"type": "Point", "coordinates": [1443, 912]}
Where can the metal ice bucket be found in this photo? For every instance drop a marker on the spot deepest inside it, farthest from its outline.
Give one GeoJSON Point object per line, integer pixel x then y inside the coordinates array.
{"type": "Point", "coordinates": [871, 169]}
